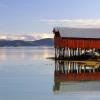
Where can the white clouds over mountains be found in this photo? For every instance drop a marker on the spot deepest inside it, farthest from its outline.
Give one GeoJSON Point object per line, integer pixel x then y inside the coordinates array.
{"type": "Point", "coordinates": [85, 23]}
{"type": "Point", "coordinates": [27, 37]}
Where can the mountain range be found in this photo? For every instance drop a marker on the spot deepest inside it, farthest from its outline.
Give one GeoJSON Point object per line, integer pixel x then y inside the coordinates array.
{"type": "Point", "coordinates": [41, 42]}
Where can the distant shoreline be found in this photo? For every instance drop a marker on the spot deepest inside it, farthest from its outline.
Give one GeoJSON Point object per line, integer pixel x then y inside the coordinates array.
{"type": "Point", "coordinates": [19, 43]}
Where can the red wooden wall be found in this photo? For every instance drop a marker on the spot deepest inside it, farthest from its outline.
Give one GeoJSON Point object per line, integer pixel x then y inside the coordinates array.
{"type": "Point", "coordinates": [77, 42]}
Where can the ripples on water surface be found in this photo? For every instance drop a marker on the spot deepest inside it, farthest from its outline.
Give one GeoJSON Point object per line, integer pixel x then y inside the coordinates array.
{"type": "Point", "coordinates": [26, 74]}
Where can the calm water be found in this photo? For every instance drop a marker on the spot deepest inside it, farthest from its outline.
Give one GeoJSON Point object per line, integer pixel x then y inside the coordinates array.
{"type": "Point", "coordinates": [26, 74]}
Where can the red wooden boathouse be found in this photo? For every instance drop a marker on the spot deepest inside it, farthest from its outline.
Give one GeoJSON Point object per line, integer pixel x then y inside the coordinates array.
{"type": "Point", "coordinates": [74, 41]}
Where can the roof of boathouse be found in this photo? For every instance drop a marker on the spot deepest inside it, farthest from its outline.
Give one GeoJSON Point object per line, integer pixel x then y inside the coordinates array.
{"type": "Point", "coordinates": [78, 32]}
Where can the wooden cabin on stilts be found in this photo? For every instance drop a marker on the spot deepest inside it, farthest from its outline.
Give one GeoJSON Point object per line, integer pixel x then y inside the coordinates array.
{"type": "Point", "coordinates": [73, 42]}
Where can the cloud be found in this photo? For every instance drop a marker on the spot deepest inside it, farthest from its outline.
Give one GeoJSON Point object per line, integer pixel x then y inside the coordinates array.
{"type": "Point", "coordinates": [32, 36]}
{"type": "Point", "coordinates": [74, 22]}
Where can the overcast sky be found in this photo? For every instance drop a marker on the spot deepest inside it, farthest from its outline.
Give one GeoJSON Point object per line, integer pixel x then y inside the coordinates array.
{"type": "Point", "coordinates": [40, 16]}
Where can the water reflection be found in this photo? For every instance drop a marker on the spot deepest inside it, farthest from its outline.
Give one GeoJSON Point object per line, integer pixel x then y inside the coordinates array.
{"type": "Point", "coordinates": [76, 76]}
{"type": "Point", "coordinates": [21, 53]}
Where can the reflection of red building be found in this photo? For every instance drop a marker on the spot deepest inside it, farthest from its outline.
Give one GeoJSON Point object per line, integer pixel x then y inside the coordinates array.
{"type": "Point", "coordinates": [71, 71]}
{"type": "Point", "coordinates": [91, 76]}
{"type": "Point", "coordinates": [75, 40]}
{"type": "Point", "coordinates": [66, 72]}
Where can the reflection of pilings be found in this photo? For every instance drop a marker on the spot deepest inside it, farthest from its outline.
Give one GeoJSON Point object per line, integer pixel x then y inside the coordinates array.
{"type": "Point", "coordinates": [73, 67]}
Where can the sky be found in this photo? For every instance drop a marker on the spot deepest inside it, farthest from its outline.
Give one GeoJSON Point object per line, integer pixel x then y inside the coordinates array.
{"type": "Point", "coordinates": [35, 19]}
